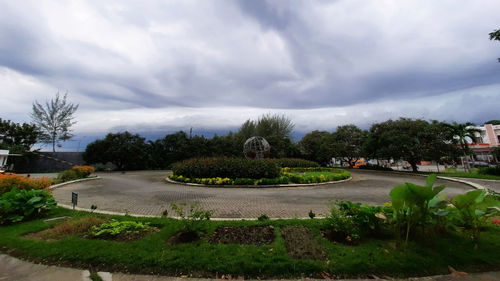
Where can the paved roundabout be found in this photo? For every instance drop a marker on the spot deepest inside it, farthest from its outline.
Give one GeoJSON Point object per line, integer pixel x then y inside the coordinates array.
{"type": "Point", "coordinates": [147, 193]}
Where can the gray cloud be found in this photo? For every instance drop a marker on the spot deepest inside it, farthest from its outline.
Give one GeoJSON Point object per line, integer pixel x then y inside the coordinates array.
{"type": "Point", "coordinates": [142, 63]}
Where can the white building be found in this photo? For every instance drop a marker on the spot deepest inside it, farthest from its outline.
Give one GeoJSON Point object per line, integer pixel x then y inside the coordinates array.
{"type": "Point", "coordinates": [4, 154]}
{"type": "Point", "coordinates": [488, 138]}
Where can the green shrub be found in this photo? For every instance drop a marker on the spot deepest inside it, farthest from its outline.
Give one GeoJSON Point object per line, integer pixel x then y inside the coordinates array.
{"type": "Point", "coordinates": [263, 217]}
{"type": "Point", "coordinates": [341, 227]}
{"type": "Point", "coordinates": [494, 171]}
{"type": "Point", "coordinates": [370, 219]}
{"type": "Point", "coordinates": [19, 204]}
{"type": "Point", "coordinates": [69, 175]}
{"type": "Point", "coordinates": [474, 208]}
{"type": "Point", "coordinates": [294, 162]}
{"type": "Point", "coordinates": [193, 218]}
{"type": "Point", "coordinates": [115, 228]}
{"type": "Point", "coordinates": [226, 168]}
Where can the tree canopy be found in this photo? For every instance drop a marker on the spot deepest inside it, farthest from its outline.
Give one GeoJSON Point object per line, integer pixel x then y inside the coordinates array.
{"type": "Point", "coordinates": [54, 120]}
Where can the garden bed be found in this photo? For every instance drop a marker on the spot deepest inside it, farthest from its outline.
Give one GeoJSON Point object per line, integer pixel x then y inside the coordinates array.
{"type": "Point", "coordinates": [288, 177]}
{"type": "Point", "coordinates": [250, 235]}
{"type": "Point", "coordinates": [286, 257]}
{"type": "Point", "coordinates": [300, 244]}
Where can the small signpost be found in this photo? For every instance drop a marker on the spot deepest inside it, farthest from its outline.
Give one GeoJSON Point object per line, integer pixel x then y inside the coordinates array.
{"type": "Point", "coordinates": [74, 199]}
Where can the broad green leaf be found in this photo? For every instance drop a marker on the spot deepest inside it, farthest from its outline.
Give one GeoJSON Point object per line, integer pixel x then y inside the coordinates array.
{"type": "Point", "coordinates": [429, 182]}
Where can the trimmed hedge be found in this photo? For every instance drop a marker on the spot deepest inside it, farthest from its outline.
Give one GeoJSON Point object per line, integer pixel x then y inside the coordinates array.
{"type": "Point", "coordinates": [494, 171]}
{"type": "Point", "coordinates": [286, 178]}
{"type": "Point", "coordinates": [226, 168]}
{"type": "Point", "coordinates": [294, 162]}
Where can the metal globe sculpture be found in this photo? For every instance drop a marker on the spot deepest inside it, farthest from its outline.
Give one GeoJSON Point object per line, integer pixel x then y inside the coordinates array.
{"type": "Point", "coordinates": [256, 148]}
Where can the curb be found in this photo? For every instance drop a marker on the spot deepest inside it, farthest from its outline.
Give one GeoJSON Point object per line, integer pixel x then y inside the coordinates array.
{"type": "Point", "coordinates": [74, 181]}
{"type": "Point", "coordinates": [104, 212]}
{"type": "Point", "coordinates": [460, 180]}
{"type": "Point", "coordinates": [257, 186]}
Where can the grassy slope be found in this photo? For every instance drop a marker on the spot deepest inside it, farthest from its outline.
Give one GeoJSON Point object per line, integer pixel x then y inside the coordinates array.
{"type": "Point", "coordinates": [153, 255]}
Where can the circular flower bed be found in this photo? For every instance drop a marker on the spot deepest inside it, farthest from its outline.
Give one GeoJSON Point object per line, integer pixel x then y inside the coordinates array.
{"type": "Point", "coordinates": [286, 175]}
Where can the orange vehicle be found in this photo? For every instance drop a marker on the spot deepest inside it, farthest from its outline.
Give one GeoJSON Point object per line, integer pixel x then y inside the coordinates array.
{"type": "Point", "coordinates": [358, 163]}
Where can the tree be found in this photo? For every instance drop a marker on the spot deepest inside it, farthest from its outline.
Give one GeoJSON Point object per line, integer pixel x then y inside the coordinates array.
{"type": "Point", "coordinates": [439, 145]}
{"type": "Point", "coordinates": [312, 147]}
{"type": "Point", "coordinates": [54, 120]}
{"type": "Point", "coordinates": [404, 138]}
{"type": "Point", "coordinates": [495, 35]}
{"type": "Point", "coordinates": [493, 122]}
{"type": "Point", "coordinates": [276, 129]}
{"type": "Point", "coordinates": [23, 136]}
{"type": "Point", "coordinates": [496, 153]}
{"type": "Point", "coordinates": [126, 151]}
{"type": "Point", "coordinates": [459, 133]}
{"type": "Point", "coordinates": [18, 139]}
{"type": "Point", "coordinates": [348, 143]}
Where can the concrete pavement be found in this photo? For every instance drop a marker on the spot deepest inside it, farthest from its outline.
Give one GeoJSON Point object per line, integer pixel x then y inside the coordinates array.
{"type": "Point", "coordinates": [147, 193]}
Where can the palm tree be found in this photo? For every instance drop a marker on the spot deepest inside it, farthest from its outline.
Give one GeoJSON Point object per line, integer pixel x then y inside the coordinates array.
{"type": "Point", "coordinates": [459, 133]}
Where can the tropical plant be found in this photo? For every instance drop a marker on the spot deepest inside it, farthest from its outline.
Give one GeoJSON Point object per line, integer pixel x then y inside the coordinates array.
{"type": "Point", "coordinates": [475, 208]}
{"type": "Point", "coordinates": [18, 205]}
{"type": "Point", "coordinates": [54, 120]}
{"type": "Point", "coordinates": [459, 133]}
{"type": "Point", "coordinates": [495, 35]}
{"type": "Point", "coordinates": [368, 218]}
{"type": "Point", "coordinates": [413, 205]}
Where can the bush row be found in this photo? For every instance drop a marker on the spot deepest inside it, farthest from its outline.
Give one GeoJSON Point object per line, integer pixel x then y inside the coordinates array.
{"type": "Point", "coordinates": [77, 172]}
{"type": "Point", "coordinates": [311, 169]}
{"type": "Point", "coordinates": [494, 171]}
{"type": "Point", "coordinates": [286, 178]}
{"type": "Point", "coordinates": [10, 181]}
{"type": "Point", "coordinates": [226, 168]}
{"type": "Point", "coordinates": [294, 162]}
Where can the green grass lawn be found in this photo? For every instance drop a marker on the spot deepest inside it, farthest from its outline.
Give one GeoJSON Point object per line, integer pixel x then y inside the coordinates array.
{"type": "Point", "coordinates": [473, 174]}
{"type": "Point", "coordinates": [152, 254]}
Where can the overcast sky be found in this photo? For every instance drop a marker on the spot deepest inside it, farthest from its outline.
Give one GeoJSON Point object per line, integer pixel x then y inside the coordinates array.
{"type": "Point", "coordinates": [160, 66]}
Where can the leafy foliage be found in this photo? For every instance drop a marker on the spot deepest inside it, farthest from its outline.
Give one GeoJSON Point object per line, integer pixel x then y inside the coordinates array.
{"type": "Point", "coordinates": [19, 205]}
{"type": "Point", "coordinates": [115, 228]}
{"type": "Point", "coordinates": [226, 168]}
{"type": "Point", "coordinates": [14, 135]}
{"type": "Point", "coordinates": [126, 151]}
{"type": "Point", "coordinates": [192, 219]}
{"type": "Point", "coordinates": [414, 205]}
{"type": "Point", "coordinates": [312, 175]}
{"type": "Point", "coordinates": [474, 208]}
{"type": "Point", "coordinates": [293, 162]}
{"type": "Point", "coordinates": [495, 171]}
{"type": "Point", "coordinates": [10, 181]}
{"type": "Point", "coordinates": [69, 175]}
{"type": "Point", "coordinates": [85, 171]}
{"type": "Point", "coordinates": [54, 120]}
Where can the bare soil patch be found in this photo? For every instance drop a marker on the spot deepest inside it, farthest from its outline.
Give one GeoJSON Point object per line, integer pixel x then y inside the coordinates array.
{"type": "Point", "coordinates": [300, 244]}
{"type": "Point", "coordinates": [253, 235]}
{"type": "Point", "coordinates": [69, 227]}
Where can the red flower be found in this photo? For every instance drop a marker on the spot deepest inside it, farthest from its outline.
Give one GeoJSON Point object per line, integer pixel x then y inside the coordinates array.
{"type": "Point", "coordinates": [496, 221]}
